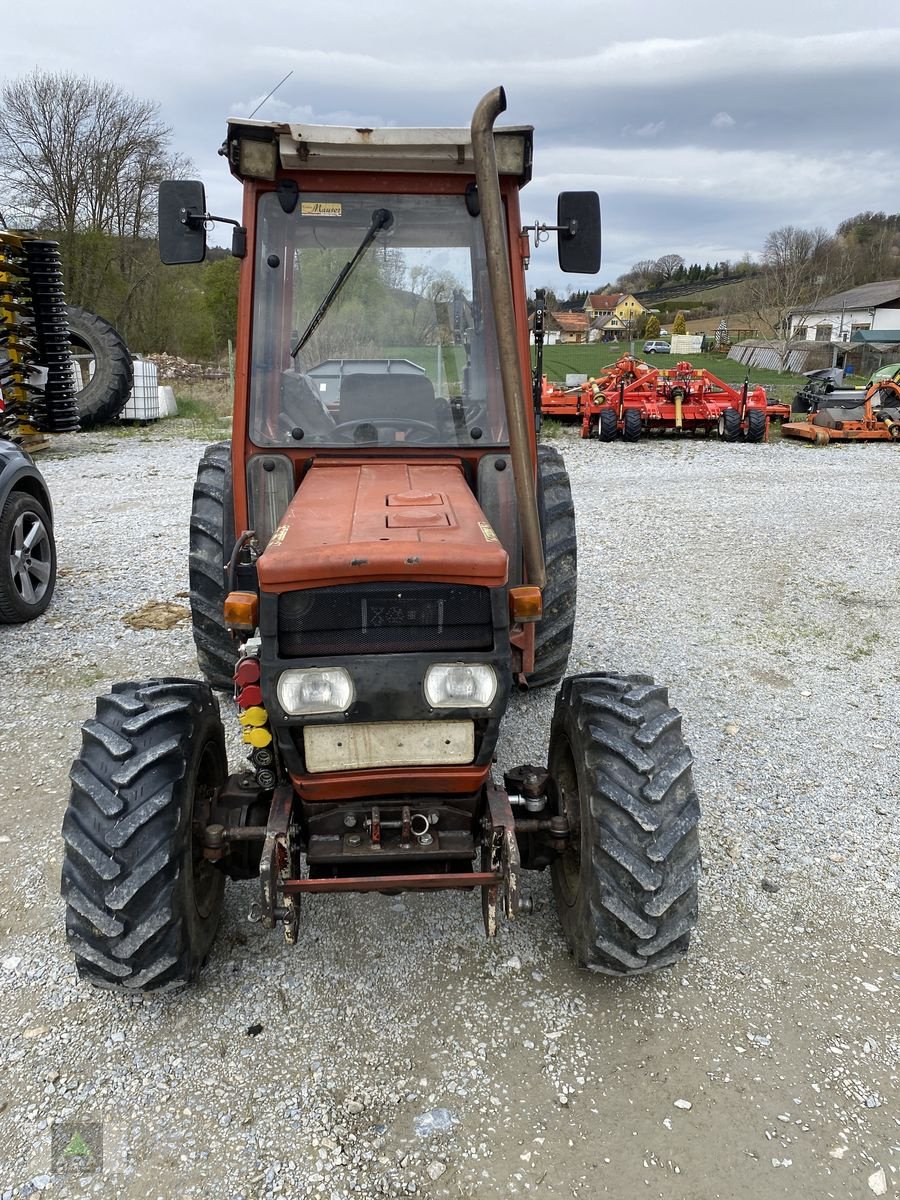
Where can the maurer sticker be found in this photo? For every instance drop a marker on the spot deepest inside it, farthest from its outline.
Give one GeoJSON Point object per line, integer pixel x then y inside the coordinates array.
{"type": "Point", "coordinates": [319, 208]}
{"type": "Point", "coordinates": [489, 535]}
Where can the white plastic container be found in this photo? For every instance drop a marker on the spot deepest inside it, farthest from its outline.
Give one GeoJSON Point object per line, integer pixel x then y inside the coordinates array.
{"type": "Point", "coordinates": [143, 401]}
{"type": "Point", "coordinates": [168, 405]}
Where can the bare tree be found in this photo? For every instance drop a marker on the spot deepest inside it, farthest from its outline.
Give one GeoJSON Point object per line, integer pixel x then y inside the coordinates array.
{"type": "Point", "coordinates": [668, 264]}
{"type": "Point", "coordinates": [81, 157]}
{"type": "Point", "coordinates": [799, 267]}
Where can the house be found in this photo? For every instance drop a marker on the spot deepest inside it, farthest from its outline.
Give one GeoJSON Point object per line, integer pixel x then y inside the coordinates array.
{"type": "Point", "coordinates": [607, 328]}
{"type": "Point", "coordinates": [601, 304]}
{"type": "Point", "coordinates": [872, 306]}
{"type": "Point", "coordinates": [573, 326]}
{"type": "Point", "coordinates": [562, 328]}
{"type": "Point", "coordinates": [628, 308]}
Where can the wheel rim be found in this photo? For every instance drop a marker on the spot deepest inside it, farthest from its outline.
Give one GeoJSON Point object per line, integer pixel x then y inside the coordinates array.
{"type": "Point", "coordinates": [30, 558]}
{"type": "Point", "coordinates": [205, 879]}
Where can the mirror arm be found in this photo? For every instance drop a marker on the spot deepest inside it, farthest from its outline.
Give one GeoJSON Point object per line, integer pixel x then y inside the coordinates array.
{"type": "Point", "coordinates": [197, 220]}
{"type": "Point", "coordinates": [542, 232]}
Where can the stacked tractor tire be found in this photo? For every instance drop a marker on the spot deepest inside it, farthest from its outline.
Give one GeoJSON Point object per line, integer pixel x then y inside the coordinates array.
{"type": "Point", "coordinates": [40, 388]}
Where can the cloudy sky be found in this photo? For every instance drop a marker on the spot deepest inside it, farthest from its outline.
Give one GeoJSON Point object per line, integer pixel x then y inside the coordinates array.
{"type": "Point", "coordinates": [702, 124]}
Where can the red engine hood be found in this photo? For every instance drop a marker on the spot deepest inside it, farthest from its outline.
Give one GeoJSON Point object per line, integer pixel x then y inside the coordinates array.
{"type": "Point", "coordinates": [382, 520]}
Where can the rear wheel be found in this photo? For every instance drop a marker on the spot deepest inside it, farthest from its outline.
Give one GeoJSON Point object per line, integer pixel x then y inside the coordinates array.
{"type": "Point", "coordinates": [211, 542]}
{"type": "Point", "coordinates": [553, 635]}
{"type": "Point", "coordinates": [27, 559]}
{"type": "Point", "coordinates": [626, 888]}
{"type": "Point", "coordinates": [631, 425]}
{"type": "Point", "coordinates": [730, 425]}
{"type": "Point", "coordinates": [142, 904]}
{"type": "Point", "coordinates": [756, 425]}
{"type": "Point", "coordinates": [609, 424]}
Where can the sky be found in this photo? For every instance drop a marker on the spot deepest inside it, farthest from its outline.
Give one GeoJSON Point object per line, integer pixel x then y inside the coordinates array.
{"type": "Point", "coordinates": [703, 124]}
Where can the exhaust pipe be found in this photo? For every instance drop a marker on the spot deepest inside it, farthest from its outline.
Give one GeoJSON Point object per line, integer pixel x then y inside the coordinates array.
{"type": "Point", "coordinates": [489, 108]}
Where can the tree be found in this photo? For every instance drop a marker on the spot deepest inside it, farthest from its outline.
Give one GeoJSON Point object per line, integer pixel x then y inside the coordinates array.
{"type": "Point", "coordinates": [81, 159]}
{"type": "Point", "coordinates": [799, 266]}
{"type": "Point", "coordinates": [651, 328]}
{"type": "Point", "coordinates": [668, 264]}
{"type": "Point", "coordinates": [679, 325]}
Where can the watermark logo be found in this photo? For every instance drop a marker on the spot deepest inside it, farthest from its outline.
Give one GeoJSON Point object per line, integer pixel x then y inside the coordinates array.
{"type": "Point", "coordinates": [77, 1147]}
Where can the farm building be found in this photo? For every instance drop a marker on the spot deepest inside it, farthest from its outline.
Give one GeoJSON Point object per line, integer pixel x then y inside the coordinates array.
{"type": "Point", "coordinates": [872, 306]}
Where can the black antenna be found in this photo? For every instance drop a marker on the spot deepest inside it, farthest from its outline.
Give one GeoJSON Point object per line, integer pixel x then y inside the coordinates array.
{"type": "Point", "coordinates": [270, 95]}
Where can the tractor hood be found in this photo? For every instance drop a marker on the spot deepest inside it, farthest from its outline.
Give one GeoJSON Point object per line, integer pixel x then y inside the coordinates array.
{"type": "Point", "coordinates": [353, 520]}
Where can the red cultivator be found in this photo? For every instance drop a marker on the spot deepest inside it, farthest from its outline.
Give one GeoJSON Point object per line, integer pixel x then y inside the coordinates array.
{"type": "Point", "coordinates": [632, 398]}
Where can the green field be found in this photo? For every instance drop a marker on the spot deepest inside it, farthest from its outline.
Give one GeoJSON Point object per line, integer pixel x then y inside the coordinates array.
{"type": "Point", "coordinates": [560, 361]}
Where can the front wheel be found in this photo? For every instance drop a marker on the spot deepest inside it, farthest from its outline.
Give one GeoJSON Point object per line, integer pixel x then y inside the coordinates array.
{"type": "Point", "coordinates": [626, 888]}
{"type": "Point", "coordinates": [27, 559]}
{"type": "Point", "coordinates": [142, 903]}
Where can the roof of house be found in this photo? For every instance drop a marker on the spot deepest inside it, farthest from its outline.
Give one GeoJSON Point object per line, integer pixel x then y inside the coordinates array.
{"type": "Point", "coordinates": [600, 322]}
{"type": "Point", "coordinates": [867, 295]}
{"type": "Point", "coordinates": [604, 302]}
{"type": "Point", "coordinates": [571, 322]}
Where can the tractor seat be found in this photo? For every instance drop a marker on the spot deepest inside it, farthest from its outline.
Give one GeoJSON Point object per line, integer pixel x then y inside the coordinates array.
{"type": "Point", "coordinates": [302, 405]}
{"type": "Point", "coordinates": [379, 396]}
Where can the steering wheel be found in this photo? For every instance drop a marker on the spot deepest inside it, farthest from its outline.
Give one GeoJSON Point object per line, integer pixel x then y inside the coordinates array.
{"type": "Point", "coordinates": [420, 432]}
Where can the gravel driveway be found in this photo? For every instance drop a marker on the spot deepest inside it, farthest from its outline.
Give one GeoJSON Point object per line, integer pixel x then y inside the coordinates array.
{"type": "Point", "coordinates": [394, 1051]}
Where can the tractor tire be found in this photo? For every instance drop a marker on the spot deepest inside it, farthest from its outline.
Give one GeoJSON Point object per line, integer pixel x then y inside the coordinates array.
{"type": "Point", "coordinates": [730, 425]}
{"type": "Point", "coordinates": [211, 540]}
{"type": "Point", "coordinates": [27, 559]}
{"type": "Point", "coordinates": [626, 888]}
{"type": "Point", "coordinates": [106, 393]}
{"type": "Point", "coordinates": [553, 634]}
{"type": "Point", "coordinates": [142, 905]}
{"type": "Point", "coordinates": [756, 425]}
{"type": "Point", "coordinates": [631, 425]}
{"type": "Point", "coordinates": [609, 424]}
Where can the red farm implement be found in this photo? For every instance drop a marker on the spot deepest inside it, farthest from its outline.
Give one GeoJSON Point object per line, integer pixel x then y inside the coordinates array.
{"type": "Point", "coordinates": [632, 398]}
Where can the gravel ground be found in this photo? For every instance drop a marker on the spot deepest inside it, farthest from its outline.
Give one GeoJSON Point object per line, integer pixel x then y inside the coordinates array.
{"type": "Point", "coordinates": [395, 1051]}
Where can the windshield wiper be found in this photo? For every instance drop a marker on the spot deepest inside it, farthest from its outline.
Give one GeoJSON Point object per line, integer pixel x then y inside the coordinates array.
{"type": "Point", "coordinates": [382, 218]}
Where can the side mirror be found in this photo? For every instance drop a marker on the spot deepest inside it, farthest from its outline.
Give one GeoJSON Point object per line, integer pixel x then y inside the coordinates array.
{"type": "Point", "coordinates": [578, 239]}
{"type": "Point", "coordinates": [182, 212]}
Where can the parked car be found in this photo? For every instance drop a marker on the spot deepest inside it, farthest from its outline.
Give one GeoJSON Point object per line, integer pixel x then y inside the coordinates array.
{"type": "Point", "coordinates": [27, 545]}
{"type": "Point", "coordinates": [657, 348]}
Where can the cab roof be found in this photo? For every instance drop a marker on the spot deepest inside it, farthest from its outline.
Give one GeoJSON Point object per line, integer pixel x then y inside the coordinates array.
{"type": "Point", "coordinates": [342, 148]}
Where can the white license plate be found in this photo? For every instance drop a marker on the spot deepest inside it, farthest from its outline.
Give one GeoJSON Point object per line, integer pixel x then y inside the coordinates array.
{"type": "Point", "coordinates": [388, 744]}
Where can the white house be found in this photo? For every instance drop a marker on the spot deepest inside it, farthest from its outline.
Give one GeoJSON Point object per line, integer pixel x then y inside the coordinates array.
{"type": "Point", "coordinates": [834, 318]}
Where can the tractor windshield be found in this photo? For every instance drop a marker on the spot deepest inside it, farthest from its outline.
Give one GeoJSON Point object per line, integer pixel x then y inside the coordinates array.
{"type": "Point", "coordinates": [384, 302]}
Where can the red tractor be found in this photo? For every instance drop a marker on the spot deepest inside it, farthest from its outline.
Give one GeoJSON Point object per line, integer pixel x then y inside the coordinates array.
{"type": "Point", "coordinates": [381, 555]}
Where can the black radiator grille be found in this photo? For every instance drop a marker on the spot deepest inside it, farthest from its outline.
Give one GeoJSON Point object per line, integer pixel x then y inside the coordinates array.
{"type": "Point", "coordinates": [384, 618]}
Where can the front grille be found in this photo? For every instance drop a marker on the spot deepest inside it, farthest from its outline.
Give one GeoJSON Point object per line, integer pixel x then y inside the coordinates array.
{"type": "Point", "coordinates": [384, 618]}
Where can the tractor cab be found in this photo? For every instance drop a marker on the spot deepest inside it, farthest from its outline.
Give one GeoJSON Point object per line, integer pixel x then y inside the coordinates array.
{"type": "Point", "coordinates": [384, 551]}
